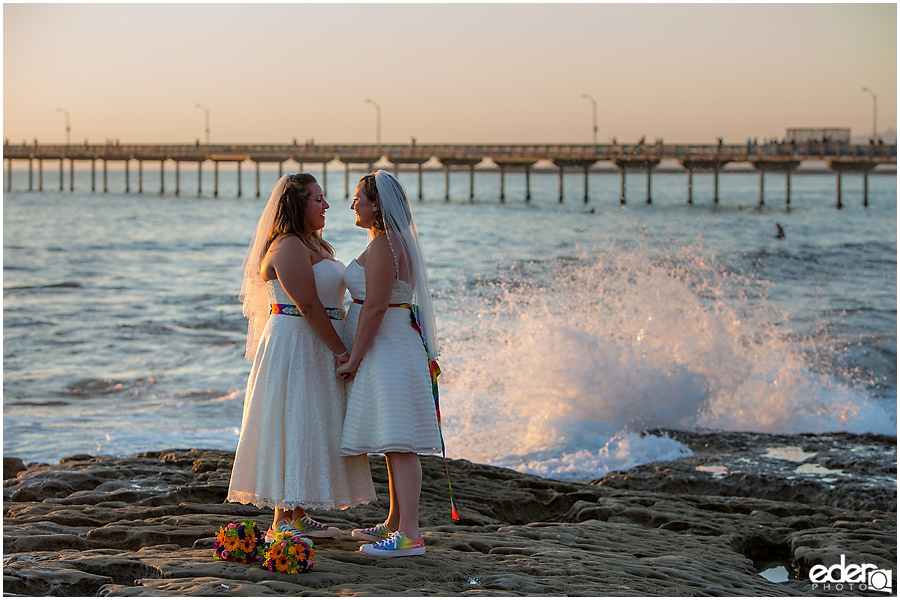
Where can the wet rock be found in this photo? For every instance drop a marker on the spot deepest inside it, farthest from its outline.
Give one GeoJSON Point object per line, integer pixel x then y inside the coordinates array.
{"type": "Point", "coordinates": [37, 491]}
{"type": "Point", "coordinates": [12, 467]}
{"type": "Point", "coordinates": [30, 578]}
{"type": "Point", "coordinates": [147, 527]}
{"type": "Point", "coordinates": [843, 470]}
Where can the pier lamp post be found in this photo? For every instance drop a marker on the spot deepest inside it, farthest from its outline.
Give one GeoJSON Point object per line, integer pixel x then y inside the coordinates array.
{"type": "Point", "coordinates": [68, 129]}
{"type": "Point", "coordinates": [377, 120]}
{"type": "Point", "coordinates": [874, 115]}
{"type": "Point", "coordinates": [205, 110]}
{"type": "Point", "coordinates": [594, 102]}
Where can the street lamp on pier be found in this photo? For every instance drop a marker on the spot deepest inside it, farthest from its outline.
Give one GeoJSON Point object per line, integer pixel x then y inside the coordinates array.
{"type": "Point", "coordinates": [874, 115]}
{"type": "Point", "coordinates": [377, 120]}
{"type": "Point", "coordinates": [68, 129]}
{"type": "Point", "coordinates": [205, 110]}
{"type": "Point", "coordinates": [594, 103]}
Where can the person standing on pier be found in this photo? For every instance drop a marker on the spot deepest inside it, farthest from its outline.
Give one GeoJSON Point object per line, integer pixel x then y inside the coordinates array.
{"type": "Point", "coordinates": [288, 455]}
{"type": "Point", "coordinates": [393, 339]}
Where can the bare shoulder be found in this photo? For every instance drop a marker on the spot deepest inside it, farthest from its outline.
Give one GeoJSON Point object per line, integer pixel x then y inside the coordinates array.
{"type": "Point", "coordinates": [379, 250]}
{"type": "Point", "coordinates": [379, 244]}
{"type": "Point", "coordinates": [289, 247]}
{"type": "Point", "coordinates": [287, 241]}
{"type": "Point", "coordinates": [291, 243]}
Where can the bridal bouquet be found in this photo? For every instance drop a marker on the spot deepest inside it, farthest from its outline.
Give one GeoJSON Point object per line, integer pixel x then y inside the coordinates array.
{"type": "Point", "coordinates": [240, 542]}
{"type": "Point", "coordinates": [289, 554]}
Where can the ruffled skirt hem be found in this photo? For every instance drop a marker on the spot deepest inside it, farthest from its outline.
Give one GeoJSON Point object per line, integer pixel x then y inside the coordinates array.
{"type": "Point", "coordinates": [389, 448]}
{"type": "Point", "coordinates": [260, 502]}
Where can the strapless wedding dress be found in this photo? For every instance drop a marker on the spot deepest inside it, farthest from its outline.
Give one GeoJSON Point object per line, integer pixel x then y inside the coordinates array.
{"type": "Point", "coordinates": [289, 453]}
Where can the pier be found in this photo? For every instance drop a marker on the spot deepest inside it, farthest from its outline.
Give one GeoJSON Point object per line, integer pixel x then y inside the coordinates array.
{"type": "Point", "coordinates": [765, 158]}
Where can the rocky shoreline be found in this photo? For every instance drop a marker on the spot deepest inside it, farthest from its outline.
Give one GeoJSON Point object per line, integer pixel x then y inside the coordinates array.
{"type": "Point", "coordinates": [702, 525]}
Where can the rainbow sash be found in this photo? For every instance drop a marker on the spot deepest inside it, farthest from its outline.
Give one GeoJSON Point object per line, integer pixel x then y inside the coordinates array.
{"type": "Point", "coordinates": [434, 370]}
{"type": "Point", "coordinates": [335, 314]}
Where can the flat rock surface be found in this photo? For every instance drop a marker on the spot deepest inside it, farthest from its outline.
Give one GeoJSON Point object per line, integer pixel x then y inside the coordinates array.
{"type": "Point", "coordinates": [702, 525]}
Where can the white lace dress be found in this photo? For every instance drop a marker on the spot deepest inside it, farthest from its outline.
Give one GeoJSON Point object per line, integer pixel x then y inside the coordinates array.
{"type": "Point", "coordinates": [288, 454]}
{"type": "Point", "coordinates": [390, 403]}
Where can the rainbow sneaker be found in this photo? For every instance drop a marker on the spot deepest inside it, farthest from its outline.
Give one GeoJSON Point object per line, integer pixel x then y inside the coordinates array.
{"type": "Point", "coordinates": [311, 528]}
{"type": "Point", "coordinates": [285, 527]}
{"type": "Point", "coordinates": [396, 545]}
{"type": "Point", "coordinates": [373, 534]}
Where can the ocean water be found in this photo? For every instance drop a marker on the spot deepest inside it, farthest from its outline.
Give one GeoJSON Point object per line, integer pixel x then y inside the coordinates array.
{"type": "Point", "coordinates": [569, 330]}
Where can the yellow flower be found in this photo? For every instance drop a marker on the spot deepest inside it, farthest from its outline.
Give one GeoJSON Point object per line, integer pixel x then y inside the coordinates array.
{"type": "Point", "coordinates": [280, 537]}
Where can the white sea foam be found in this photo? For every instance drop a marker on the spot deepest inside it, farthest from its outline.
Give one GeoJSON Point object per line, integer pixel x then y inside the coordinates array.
{"type": "Point", "coordinates": [560, 379]}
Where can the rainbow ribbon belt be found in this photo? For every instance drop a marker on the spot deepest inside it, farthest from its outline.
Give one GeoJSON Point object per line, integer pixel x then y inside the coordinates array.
{"type": "Point", "coordinates": [435, 370]}
{"type": "Point", "coordinates": [335, 314]}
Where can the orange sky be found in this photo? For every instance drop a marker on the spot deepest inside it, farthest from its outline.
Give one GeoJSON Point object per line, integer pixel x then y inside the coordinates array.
{"type": "Point", "coordinates": [445, 73]}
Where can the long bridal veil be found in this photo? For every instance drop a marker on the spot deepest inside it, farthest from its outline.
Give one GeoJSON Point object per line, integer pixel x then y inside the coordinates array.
{"type": "Point", "coordinates": [253, 294]}
{"type": "Point", "coordinates": [403, 236]}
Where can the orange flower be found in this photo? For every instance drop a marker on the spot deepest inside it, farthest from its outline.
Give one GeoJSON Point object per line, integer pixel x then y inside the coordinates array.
{"type": "Point", "coordinates": [230, 543]}
{"type": "Point", "coordinates": [282, 562]}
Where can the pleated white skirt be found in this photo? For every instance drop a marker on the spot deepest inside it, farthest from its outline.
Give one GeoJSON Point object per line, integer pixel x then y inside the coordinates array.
{"type": "Point", "coordinates": [390, 405]}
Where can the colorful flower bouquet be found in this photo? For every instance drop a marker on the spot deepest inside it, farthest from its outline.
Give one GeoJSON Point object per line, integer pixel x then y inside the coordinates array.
{"type": "Point", "coordinates": [289, 554]}
{"type": "Point", "coordinates": [240, 542]}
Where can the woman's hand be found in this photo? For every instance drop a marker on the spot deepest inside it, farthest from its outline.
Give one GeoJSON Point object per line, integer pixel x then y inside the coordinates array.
{"type": "Point", "coordinates": [347, 370]}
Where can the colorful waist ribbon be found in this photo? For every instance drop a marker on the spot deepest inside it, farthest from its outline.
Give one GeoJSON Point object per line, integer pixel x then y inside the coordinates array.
{"type": "Point", "coordinates": [335, 314]}
{"type": "Point", "coordinates": [434, 370]}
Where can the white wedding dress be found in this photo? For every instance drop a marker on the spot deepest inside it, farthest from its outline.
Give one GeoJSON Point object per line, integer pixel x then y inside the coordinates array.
{"type": "Point", "coordinates": [390, 403]}
{"type": "Point", "coordinates": [289, 454]}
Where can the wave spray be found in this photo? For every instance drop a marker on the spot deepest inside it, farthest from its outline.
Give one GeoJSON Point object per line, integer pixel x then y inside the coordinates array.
{"type": "Point", "coordinates": [560, 368]}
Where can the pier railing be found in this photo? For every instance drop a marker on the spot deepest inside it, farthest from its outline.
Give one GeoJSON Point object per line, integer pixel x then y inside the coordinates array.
{"type": "Point", "coordinates": [778, 157]}
{"type": "Point", "coordinates": [535, 152]}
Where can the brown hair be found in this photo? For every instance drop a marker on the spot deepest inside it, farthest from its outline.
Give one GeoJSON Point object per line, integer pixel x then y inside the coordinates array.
{"type": "Point", "coordinates": [371, 191]}
{"type": "Point", "coordinates": [290, 215]}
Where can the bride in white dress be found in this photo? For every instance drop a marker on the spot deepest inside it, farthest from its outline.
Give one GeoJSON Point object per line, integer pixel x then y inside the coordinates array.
{"type": "Point", "coordinates": [391, 403]}
{"type": "Point", "coordinates": [288, 456]}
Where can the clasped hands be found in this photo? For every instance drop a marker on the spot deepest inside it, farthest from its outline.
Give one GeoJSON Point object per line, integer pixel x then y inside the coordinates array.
{"type": "Point", "coordinates": [344, 370]}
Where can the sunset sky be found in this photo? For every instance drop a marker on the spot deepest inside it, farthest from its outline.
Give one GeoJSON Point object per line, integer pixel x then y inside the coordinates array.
{"type": "Point", "coordinates": [445, 73]}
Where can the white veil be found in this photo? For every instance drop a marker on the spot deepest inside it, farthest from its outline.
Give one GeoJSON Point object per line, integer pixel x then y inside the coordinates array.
{"type": "Point", "coordinates": [254, 294]}
{"type": "Point", "coordinates": [402, 235]}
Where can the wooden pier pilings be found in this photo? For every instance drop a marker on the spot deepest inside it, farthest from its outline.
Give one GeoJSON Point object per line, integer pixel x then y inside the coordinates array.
{"type": "Point", "coordinates": [783, 158]}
